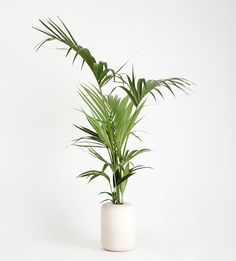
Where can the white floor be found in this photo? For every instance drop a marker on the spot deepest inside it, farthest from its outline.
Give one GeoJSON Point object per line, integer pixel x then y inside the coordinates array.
{"type": "Point", "coordinates": [85, 249]}
{"type": "Point", "coordinates": [49, 251]}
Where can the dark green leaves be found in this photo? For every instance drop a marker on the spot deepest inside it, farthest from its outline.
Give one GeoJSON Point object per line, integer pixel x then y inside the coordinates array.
{"type": "Point", "coordinates": [128, 155]}
{"type": "Point", "coordinates": [92, 174]}
{"type": "Point", "coordinates": [91, 140]}
{"type": "Point", "coordinates": [61, 34]}
{"type": "Point", "coordinates": [130, 173]}
{"type": "Point", "coordinates": [138, 89]}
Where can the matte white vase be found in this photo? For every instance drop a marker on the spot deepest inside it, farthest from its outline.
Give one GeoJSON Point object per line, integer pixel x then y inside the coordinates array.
{"type": "Point", "coordinates": [118, 227]}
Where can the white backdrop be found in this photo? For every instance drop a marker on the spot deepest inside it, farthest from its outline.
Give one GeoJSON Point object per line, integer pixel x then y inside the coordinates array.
{"type": "Point", "coordinates": [186, 205]}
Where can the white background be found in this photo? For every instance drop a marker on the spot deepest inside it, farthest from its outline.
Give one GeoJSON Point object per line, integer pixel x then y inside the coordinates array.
{"type": "Point", "coordinates": [186, 205]}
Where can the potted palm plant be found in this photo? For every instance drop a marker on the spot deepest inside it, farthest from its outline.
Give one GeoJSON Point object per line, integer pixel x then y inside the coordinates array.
{"type": "Point", "coordinates": [112, 115]}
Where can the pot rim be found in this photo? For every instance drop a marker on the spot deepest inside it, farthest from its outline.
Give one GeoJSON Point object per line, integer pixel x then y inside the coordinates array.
{"type": "Point", "coordinates": [110, 204]}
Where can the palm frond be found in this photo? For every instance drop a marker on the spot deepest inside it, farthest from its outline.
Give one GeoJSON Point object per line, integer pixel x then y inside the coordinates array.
{"type": "Point", "coordinates": [138, 89]}
{"type": "Point", "coordinates": [92, 140]}
{"type": "Point", "coordinates": [62, 34]}
{"type": "Point", "coordinates": [132, 154]}
{"type": "Point", "coordinates": [92, 174]}
{"type": "Point", "coordinates": [131, 172]}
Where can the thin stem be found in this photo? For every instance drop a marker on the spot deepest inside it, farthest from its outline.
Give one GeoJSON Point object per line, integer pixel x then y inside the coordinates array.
{"type": "Point", "coordinates": [118, 195]}
{"type": "Point", "coordinates": [121, 198]}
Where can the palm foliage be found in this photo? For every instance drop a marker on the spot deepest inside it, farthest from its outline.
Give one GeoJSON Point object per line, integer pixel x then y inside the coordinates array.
{"type": "Point", "coordinates": [56, 33]}
{"type": "Point", "coordinates": [111, 118]}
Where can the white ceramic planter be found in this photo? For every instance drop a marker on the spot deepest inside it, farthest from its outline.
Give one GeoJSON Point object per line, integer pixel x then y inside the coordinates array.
{"type": "Point", "coordinates": [118, 227]}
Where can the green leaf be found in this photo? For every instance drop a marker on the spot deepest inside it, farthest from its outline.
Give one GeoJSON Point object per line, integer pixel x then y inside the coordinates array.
{"type": "Point", "coordinates": [130, 95]}
{"type": "Point", "coordinates": [38, 46]}
{"type": "Point", "coordinates": [97, 155]}
{"type": "Point", "coordinates": [94, 174]}
{"type": "Point", "coordinates": [132, 172]}
{"type": "Point", "coordinates": [69, 50]}
{"type": "Point", "coordinates": [68, 31]}
{"type": "Point", "coordinates": [124, 183]}
{"type": "Point", "coordinates": [105, 200]}
{"type": "Point", "coordinates": [104, 192]}
{"type": "Point", "coordinates": [130, 155]}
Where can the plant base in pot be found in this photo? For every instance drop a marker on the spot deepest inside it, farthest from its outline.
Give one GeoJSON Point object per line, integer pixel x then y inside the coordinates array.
{"type": "Point", "coordinates": [118, 226]}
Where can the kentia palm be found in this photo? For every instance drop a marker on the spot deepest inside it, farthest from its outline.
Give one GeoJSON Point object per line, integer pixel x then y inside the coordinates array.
{"type": "Point", "coordinates": [111, 118]}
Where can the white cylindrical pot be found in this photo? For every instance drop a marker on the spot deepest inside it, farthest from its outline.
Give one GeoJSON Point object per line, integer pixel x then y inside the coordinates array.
{"type": "Point", "coordinates": [118, 227]}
